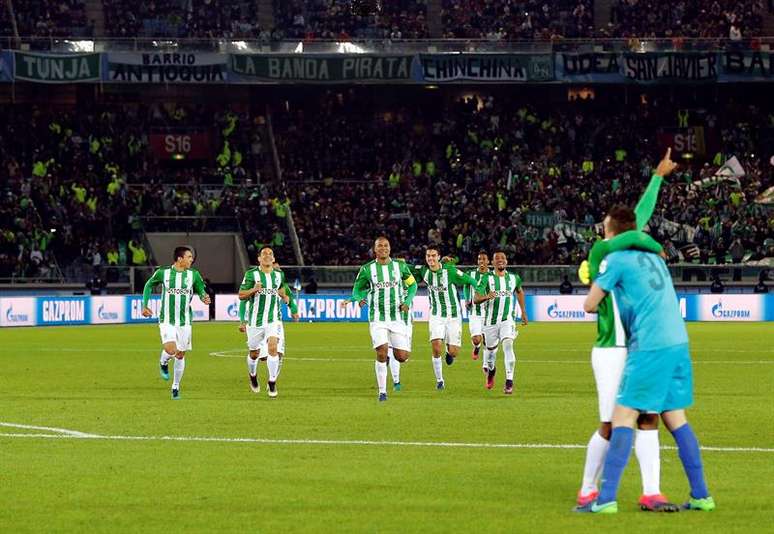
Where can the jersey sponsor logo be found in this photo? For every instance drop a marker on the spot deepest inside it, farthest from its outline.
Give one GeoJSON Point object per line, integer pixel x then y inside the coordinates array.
{"type": "Point", "coordinates": [719, 312]}
{"type": "Point", "coordinates": [603, 267]}
{"type": "Point", "coordinates": [268, 291]}
{"type": "Point", "coordinates": [106, 315]}
{"type": "Point", "coordinates": [12, 317]}
{"type": "Point", "coordinates": [502, 292]}
{"type": "Point", "coordinates": [63, 311]}
{"type": "Point", "coordinates": [555, 312]}
{"type": "Point", "coordinates": [387, 285]}
{"type": "Point", "coordinates": [180, 291]}
{"type": "Point", "coordinates": [437, 289]}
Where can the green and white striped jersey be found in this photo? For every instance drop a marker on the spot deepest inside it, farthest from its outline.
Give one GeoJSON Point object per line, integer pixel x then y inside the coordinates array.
{"type": "Point", "coordinates": [177, 291]}
{"type": "Point", "coordinates": [476, 310]}
{"type": "Point", "coordinates": [503, 307]}
{"type": "Point", "coordinates": [610, 330]}
{"type": "Point", "coordinates": [385, 288]}
{"type": "Point", "coordinates": [264, 307]}
{"type": "Point", "coordinates": [442, 289]}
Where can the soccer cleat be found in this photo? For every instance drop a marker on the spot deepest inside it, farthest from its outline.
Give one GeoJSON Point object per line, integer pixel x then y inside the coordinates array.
{"type": "Point", "coordinates": [475, 352]}
{"type": "Point", "coordinates": [449, 359]}
{"type": "Point", "coordinates": [490, 376]}
{"type": "Point", "coordinates": [254, 385]}
{"type": "Point", "coordinates": [657, 503]}
{"type": "Point", "coordinates": [175, 394]}
{"type": "Point", "coordinates": [440, 385]}
{"type": "Point", "coordinates": [382, 397]}
{"type": "Point", "coordinates": [164, 370]}
{"type": "Point", "coordinates": [590, 497]}
{"type": "Point", "coordinates": [396, 386]}
{"type": "Point", "coordinates": [707, 504]}
{"type": "Point", "coordinates": [272, 389]}
{"type": "Point", "coordinates": [508, 389]}
{"type": "Point", "coordinates": [594, 508]}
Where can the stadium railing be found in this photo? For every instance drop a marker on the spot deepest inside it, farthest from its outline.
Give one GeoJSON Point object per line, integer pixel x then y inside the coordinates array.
{"type": "Point", "coordinates": [360, 46]}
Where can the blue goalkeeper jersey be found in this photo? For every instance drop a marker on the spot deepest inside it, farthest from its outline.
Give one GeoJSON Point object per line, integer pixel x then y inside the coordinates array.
{"type": "Point", "coordinates": [646, 298]}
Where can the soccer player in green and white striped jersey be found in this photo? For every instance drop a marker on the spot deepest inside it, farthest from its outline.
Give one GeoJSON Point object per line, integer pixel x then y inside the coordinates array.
{"type": "Point", "coordinates": [442, 283]}
{"type": "Point", "coordinates": [262, 291]}
{"type": "Point", "coordinates": [387, 287]}
{"type": "Point", "coordinates": [499, 324]}
{"type": "Point", "coordinates": [476, 311]}
{"type": "Point", "coordinates": [178, 284]}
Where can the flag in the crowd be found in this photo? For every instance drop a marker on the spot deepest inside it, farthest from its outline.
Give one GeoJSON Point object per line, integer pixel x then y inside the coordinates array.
{"type": "Point", "coordinates": [730, 171]}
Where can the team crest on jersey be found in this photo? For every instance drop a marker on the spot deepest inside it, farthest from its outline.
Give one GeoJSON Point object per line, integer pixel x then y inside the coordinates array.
{"type": "Point", "coordinates": [603, 267]}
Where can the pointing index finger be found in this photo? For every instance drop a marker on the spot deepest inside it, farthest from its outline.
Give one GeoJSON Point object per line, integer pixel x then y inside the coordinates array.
{"type": "Point", "coordinates": [669, 153]}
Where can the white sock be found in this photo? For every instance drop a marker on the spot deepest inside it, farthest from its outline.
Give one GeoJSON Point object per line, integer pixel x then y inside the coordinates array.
{"type": "Point", "coordinates": [490, 357]}
{"type": "Point", "coordinates": [649, 458]}
{"type": "Point", "coordinates": [390, 353]}
{"type": "Point", "coordinates": [595, 460]}
{"type": "Point", "coordinates": [279, 369]}
{"type": "Point", "coordinates": [394, 369]}
{"type": "Point", "coordinates": [272, 363]}
{"type": "Point", "coordinates": [509, 358]}
{"type": "Point", "coordinates": [178, 374]}
{"type": "Point", "coordinates": [438, 369]}
{"type": "Point", "coordinates": [252, 365]}
{"type": "Point", "coordinates": [165, 357]}
{"type": "Point", "coordinates": [381, 376]}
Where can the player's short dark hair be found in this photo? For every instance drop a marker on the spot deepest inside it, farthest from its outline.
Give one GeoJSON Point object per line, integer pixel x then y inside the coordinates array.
{"type": "Point", "coordinates": [433, 247]}
{"type": "Point", "coordinates": [180, 252]}
{"type": "Point", "coordinates": [499, 251]}
{"type": "Point", "coordinates": [482, 253]}
{"type": "Point", "coordinates": [622, 219]}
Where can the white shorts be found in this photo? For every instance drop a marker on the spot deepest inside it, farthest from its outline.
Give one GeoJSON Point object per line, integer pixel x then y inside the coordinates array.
{"type": "Point", "coordinates": [180, 335]}
{"type": "Point", "coordinates": [495, 334]}
{"type": "Point", "coordinates": [447, 329]}
{"type": "Point", "coordinates": [393, 333]}
{"type": "Point", "coordinates": [476, 325]}
{"type": "Point", "coordinates": [257, 334]}
{"type": "Point", "coordinates": [264, 350]}
{"type": "Point", "coordinates": [608, 365]}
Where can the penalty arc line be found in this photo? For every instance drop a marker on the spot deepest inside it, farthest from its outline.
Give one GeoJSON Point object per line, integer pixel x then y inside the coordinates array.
{"type": "Point", "coordinates": [72, 434]}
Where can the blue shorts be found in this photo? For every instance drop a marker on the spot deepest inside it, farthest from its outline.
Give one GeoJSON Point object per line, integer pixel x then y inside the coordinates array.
{"type": "Point", "coordinates": [657, 380]}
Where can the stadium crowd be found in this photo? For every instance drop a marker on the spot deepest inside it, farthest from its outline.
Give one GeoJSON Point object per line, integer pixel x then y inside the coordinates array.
{"type": "Point", "coordinates": [494, 20]}
{"type": "Point", "coordinates": [497, 20]}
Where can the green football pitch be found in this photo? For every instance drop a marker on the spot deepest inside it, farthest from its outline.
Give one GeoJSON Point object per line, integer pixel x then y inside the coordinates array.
{"type": "Point", "coordinates": [91, 441]}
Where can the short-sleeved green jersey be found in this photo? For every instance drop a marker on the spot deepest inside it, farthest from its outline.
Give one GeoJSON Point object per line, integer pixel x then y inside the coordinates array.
{"type": "Point", "coordinates": [442, 289]}
{"type": "Point", "coordinates": [610, 330]}
{"type": "Point", "coordinates": [385, 287]}
{"type": "Point", "coordinates": [263, 307]}
{"type": "Point", "coordinates": [292, 304]}
{"type": "Point", "coordinates": [476, 310]}
{"type": "Point", "coordinates": [503, 306]}
{"type": "Point", "coordinates": [177, 291]}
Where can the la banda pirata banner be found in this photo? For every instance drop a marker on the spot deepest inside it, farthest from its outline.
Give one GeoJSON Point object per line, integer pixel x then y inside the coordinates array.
{"type": "Point", "coordinates": [694, 67]}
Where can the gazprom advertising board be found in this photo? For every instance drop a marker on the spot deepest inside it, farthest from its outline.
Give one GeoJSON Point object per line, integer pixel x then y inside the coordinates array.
{"type": "Point", "coordinates": [81, 310]}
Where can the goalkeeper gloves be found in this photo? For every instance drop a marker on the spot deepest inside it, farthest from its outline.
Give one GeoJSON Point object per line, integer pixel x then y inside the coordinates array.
{"type": "Point", "coordinates": [583, 272]}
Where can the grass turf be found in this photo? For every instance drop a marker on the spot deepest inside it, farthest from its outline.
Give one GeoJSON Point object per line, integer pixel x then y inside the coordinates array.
{"type": "Point", "coordinates": [104, 380]}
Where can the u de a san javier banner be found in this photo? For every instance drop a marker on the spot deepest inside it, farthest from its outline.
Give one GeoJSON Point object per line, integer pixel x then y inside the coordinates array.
{"type": "Point", "coordinates": [694, 67]}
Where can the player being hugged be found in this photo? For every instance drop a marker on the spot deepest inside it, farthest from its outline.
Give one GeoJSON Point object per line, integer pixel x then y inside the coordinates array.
{"type": "Point", "coordinates": [388, 288]}
{"type": "Point", "coordinates": [262, 292]}
{"type": "Point", "coordinates": [178, 283]}
{"type": "Point", "coordinates": [499, 321]}
{"type": "Point", "coordinates": [442, 282]}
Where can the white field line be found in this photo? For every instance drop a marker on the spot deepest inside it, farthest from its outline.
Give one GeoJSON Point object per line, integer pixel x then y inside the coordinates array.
{"type": "Point", "coordinates": [240, 353]}
{"type": "Point", "coordinates": [62, 433]}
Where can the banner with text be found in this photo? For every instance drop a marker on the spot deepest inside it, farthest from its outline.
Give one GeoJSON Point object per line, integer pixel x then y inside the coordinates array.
{"type": "Point", "coordinates": [656, 67]}
{"type": "Point", "coordinates": [177, 67]}
{"type": "Point", "coordinates": [322, 68]}
{"type": "Point", "coordinates": [56, 68]}
{"type": "Point", "coordinates": [180, 145]}
{"type": "Point", "coordinates": [510, 68]}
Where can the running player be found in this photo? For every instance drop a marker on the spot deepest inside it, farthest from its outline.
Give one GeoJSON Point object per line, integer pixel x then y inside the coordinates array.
{"type": "Point", "coordinates": [388, 288]}
{"type": "Point", "coordinates": [499, 322]}
{"type": "Point", "coordinates": [476, 311]}
{"type": "Point", "coordinates": [657, 377]}
{"type": "Point", "coordinates": [178, 282]}
{"type": "Point", "coordinates": [445, 309]}
{"type": "Point", "coordinates": [263, 351]}
{"type": "Point", "coordinates": [262, 288]}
